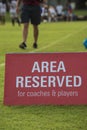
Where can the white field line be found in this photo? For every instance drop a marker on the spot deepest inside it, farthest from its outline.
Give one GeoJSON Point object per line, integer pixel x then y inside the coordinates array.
{"type": "Point", "coordinates": [53, 43]}
{"type": "Point", "coordinates": [59, 40]}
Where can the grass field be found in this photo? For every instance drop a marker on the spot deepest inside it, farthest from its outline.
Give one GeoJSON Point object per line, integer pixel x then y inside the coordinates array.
{"type": "Point", "coordinates": [54, 37]}
{"type": "Point", "coordinates": [80, 12]}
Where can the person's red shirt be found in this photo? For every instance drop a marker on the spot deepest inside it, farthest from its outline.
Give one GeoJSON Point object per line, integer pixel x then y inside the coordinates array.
{"type": "Point", "coordinates": [31, 2]}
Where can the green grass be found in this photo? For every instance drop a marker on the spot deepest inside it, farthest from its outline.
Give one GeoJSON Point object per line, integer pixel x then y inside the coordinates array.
{"type": "Point", "coordinates": [81, 12]}
{"type": "Point", "coordinates": [54, 37]}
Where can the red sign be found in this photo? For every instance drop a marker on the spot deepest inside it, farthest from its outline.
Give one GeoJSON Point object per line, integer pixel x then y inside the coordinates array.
{"type": "Point", "coordinates": [46, 78]}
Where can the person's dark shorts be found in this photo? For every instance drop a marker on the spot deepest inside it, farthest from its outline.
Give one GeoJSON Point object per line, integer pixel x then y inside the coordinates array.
{"type": "Point", "coordinates": [31, 14]}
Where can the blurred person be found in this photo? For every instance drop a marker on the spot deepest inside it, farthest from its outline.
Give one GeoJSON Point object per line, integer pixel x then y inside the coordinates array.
{"type": "Point", "coordinates": [44, 14]}
{"type": "Point", "coordinates": [0, 10]}
{"type": "Point", "coordinates": [52, 14]}
{"type": "Point", "coordinates": [68, 11]}
{"type": "Point", "coordinates": [13, 14]}
{"type": "Point", "coordinates": [3, 13]}
{"type": "Point", "coordinates": [31, 11]}
{"type": "Point", "coordinates": [59, 9]}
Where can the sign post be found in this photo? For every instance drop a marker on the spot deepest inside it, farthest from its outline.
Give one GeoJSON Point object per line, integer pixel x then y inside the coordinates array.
{"type": "Point", "coordinates": [46, 78]}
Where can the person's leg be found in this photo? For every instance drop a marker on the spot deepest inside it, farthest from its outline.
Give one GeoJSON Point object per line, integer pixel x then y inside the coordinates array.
{"type": "Point", "coordinates": [13, 21]}
{"type": "Point", "coordinates": [35, 34]}
{"type": "Point", "coordinates": [35, 21]}
{"type": "Point", "coordinates": [25, 19]}
{"type": "Point", "coordinates": [25, 35]}
{"type": "Point", "coordinates": [25, 32]}
{"type": "Point", "coordinates": [18, 21]}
